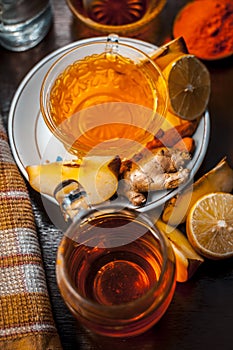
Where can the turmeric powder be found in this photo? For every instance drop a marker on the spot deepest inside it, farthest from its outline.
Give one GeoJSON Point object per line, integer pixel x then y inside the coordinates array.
{"type": "Point", "coordinates": [207, 27]}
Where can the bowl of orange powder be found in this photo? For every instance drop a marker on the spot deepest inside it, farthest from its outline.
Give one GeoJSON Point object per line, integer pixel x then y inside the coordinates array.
{"type": "Point", "coordinates": [207, 27]}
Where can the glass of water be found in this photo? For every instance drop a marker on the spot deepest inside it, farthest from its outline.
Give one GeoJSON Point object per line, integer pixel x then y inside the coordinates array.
{"type": "Point", "coordinates": [24, 23]}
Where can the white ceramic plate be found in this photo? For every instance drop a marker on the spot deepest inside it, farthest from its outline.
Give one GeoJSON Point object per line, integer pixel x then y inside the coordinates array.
{"type": "Point", "coordinates": [29, 136]}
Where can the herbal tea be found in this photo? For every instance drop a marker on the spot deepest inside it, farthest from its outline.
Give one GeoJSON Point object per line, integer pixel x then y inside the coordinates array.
{"type": "Point", "coordinates": [120, 12]}
{"type": "Point", "coordinates": [128, 18]}
{"type": "Point", "coordinates": [114, 275]}
{"type": "Point", "coordinates": [103, 101]}
{"type": "Point", "coordinates": [116, 272]}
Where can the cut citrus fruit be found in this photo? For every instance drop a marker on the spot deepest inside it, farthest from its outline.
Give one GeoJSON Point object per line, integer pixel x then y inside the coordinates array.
{"type": "Point", "coordinates": [209, 225]}
{"type": "Point", "coordinates": [218, 179]}
{"type": "Point", "coordinates": [188, 82]}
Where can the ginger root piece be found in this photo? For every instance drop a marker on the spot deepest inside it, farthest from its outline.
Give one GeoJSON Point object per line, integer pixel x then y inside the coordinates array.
{"type": "Point", "coordinates": [169, 51]}
{"type": "Point", "coordinates": [98, 176]}
{"type": "Point", "coordinates": [162, 169]}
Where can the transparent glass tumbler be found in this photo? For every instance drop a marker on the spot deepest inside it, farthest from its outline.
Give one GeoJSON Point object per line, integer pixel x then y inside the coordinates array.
{"type": "Point", "coordinates": [116, 271]}
{"type": "Point", "coordinates": [23, 24]}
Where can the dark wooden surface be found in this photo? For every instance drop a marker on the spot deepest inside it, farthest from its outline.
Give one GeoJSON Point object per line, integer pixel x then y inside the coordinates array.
{"type": "Point", "coordinates": [201, 313]}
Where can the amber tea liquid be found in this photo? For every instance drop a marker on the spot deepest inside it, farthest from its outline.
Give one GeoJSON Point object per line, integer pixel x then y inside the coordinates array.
{"type": "Point", "coordinates": [118, 274]}
{"type": "Point", "coordinates": [120, 12]}
{"type": "Point", "coordinates": [103, 101]}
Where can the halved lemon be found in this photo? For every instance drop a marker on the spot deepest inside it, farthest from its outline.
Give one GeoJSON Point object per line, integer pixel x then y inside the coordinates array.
{"type": "Point", "coordinates": [188, 82]}
{"type": "Point", "coordinates": [209, 225]}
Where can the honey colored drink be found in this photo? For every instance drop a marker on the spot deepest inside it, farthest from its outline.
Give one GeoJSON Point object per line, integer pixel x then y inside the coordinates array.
{"type": "Point", "coordinates": [114, 275]}
{"type": "Point", "coordinates": [121, 270]}
{"type": "Point", "coordinates": [105, 103]}
{"type": "Point", "coordinates": [112, 12]}
{"type": "Point", "coordinates": [128, 18]}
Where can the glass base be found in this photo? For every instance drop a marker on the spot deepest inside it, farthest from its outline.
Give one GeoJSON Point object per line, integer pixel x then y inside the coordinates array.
{"type": "Point", "coordinates": [25, 35]}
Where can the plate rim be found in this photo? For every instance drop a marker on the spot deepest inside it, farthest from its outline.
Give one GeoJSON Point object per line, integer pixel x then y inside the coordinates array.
{"type": "Point", "coordinates": [37, 67]}
{"type": "Point", "coordinates": [60, 51]}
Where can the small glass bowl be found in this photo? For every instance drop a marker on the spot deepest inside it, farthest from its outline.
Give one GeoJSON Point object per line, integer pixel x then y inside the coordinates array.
{"type": "Point", "coordinates": [154, 7]}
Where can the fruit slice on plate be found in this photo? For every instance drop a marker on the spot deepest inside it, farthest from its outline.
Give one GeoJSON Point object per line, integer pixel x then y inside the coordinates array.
{"type": "Point", "coordinates": [210, 225]}
{"type": "Point", "coordinates": [218, 179]}
{"type": "Point", "coordinates": [97, 175]}
{"type": "Point", "coordinates": [188, 82]}
{"type": "Point", "coordinates": [187, 259]}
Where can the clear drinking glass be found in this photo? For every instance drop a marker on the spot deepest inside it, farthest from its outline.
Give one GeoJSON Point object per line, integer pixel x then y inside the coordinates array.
{"type": "Point", "coordinates": [124, 17]}
{"type": "Point", "coordinates": [24, 23]}
{"type": "Point", "coordinates": [104, 97]}
{"type": "Point", "coordinates": [115, 270]}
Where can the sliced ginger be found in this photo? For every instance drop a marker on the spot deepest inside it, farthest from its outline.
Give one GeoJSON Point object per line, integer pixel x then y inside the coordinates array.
{"type": "Point", "coordinates": [169, 52]}
{"type": "Point", "coordinates": [97, 175]}
{"type": "Point", "coordinates": [187, 259]}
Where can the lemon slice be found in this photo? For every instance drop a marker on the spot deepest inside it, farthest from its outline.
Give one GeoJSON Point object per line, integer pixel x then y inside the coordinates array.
{"type": "Point", "coordinates": [218, 179]}
{"type": "Point", "coordinates": [209, 225]}
{"type": "Point", "coordinates": [188, 82]}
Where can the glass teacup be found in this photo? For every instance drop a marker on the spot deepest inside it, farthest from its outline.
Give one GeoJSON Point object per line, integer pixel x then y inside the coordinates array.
{"type": "Point", "coordinates": [115, 270]}
{"type": "Point", "coordinates": [104, 98]}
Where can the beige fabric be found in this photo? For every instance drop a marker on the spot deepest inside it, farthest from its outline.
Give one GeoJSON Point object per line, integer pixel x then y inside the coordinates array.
{"type": "Point", "coordinates": [26, 320]}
